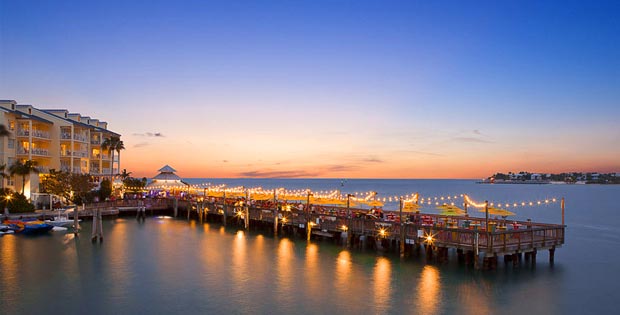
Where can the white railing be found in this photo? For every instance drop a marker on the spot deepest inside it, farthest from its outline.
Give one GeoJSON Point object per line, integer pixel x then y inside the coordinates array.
{"type": "Point", "coordinates": [41, 134]}
{"type": "Point", "coordinates": [81, 138]}
{"type": "Point", "coordinates": [41, 152]}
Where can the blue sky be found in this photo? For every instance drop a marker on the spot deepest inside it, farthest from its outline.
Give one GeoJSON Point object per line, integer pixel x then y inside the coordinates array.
{"type": "Point", "coordinates": [329, 88]}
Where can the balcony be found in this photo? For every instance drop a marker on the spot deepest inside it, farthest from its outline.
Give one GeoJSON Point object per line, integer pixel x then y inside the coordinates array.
{"type": "Point", "coordinates": [80, 154]}
{"type": "Point", "coordinates": [35, 134]}
{"type": "Point", "coordinates": [77, 137]}
{"type": "Point", "coordinates": [36, 152]}
{"type": "Point", "coordinates": [95, 141]}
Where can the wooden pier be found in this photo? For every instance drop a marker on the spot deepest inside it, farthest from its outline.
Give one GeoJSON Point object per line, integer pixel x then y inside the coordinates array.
{"type": "Point", "coordinates": [479, 242]}
{"type": "Point", "coordinates": [476, 241]}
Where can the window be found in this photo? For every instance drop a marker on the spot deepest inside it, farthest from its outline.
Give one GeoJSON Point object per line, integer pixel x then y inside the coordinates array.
{"type": "Point", "coordinates": [10, 181]}
{"type": "Point", "coordinates": [11, 143]}
{"type": "Point", "coordinates": [12, 125]}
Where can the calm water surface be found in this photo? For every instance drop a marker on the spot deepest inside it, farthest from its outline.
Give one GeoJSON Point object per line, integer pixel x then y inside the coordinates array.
{"type": "Point", "coordinates": [171, 266]}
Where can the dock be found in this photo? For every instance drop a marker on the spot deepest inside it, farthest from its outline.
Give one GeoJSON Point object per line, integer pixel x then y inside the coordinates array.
{"type": "Point", "coordinates": [476, 241]}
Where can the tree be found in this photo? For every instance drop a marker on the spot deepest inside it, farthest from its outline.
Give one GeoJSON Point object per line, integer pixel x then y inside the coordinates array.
{"type": "Point", "coordinates": [57, 183]}
{"type": "Point", "coordinates": [81, 187]}
{"type": "Point", "coordinates": [105, 189]}
{"type": "Point", "coordinates": [23, 169]}
{"type": "Point", "coordinates": [4, 132]}
{"type": "Point", "coordinates": [124, 175]}
{"type": "Point", "coordinates": [134, 185]}
{"type": "Point", "coordinates": [113, 144]}
{"type": "Point", "coordinates": [119, 146]}
{"type": "Point", "coordinates": [3, 174]}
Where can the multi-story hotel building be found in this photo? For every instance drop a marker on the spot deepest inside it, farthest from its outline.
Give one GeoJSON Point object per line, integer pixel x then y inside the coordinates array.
{"type": "Point", "coordinates": [55, 139]}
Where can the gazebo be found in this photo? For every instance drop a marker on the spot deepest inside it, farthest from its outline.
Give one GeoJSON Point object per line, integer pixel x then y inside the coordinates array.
{"type": "Point", "coordinates": [167, 180]}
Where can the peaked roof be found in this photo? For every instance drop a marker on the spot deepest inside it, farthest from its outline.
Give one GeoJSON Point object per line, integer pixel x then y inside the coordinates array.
{"type": "Point", "coordinates": [167, 169]}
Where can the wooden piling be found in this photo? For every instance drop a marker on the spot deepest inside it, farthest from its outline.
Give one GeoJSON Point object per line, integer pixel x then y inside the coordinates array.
{"type": "Point", "coordinates": [275, 214]}
{"type": "Point", "coordinates": [76, 222]}
{"type": "Point", "coordinates": [402, 230]}
{"type": "Point", "coordinates": [552, 255]}
{"type": "Point", "coordinates": [97, 231]}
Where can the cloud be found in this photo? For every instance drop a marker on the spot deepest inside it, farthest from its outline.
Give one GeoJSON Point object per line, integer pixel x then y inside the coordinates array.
{"type": "Point", "coordinates": [224, 161]}
{"type": "Point", "coordinates": [419, 152]}
{"type": "Point", "coordinates": [373, 160]}
{"type": "Point", "coordinates": [342, 168]}
{"type": "Point", "coordinates": [141, 144]}
{"type": "Point", "coordinates": [476, 131]}
{"type": "Point", "coordinates": [278, 174]}
{"type": "Point", "coordinates": [471, 140]}
{"type": "Point", "coordinates": [150, 134]}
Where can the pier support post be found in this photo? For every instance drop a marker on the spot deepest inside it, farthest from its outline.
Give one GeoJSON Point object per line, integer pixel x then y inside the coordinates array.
{"type": "Point", "coordinates": [247, 217]}
{"type": "Point", "coordinates": [76, 221]}
{"type": "Point", "coordinates": [402, 229]}
{"type": "Point", "coordinates": [275, 224]}
{"type": "Point", "coordinates": [175, 206]}
{"type": "Point", "coordinates": [533, 255]}
{"type": "Point", "coordinates": [552, 255]}
{"type": "Point", "coordinates": [97, 226]}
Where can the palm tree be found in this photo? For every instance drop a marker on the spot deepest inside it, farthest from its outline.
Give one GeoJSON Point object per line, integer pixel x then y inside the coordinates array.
{"type": "Point", "coordinates": [4, 132]}
{"type": "Point", "coordinates": [119, 146]}
{"type": "Point", "coordinates": [110, 144]}
{"type": "Point", "coordinates": [124, 175]}
{"type": "Point", "coordinates": [3, 175]}
{"type": "Point", "coordinates": [24, 169]}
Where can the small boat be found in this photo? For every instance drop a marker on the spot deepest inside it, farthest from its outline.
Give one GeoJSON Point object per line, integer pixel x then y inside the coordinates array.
{"type": "Point", "coordinates": [29, 227]}
{"type": "Point", "coordinates": [62, 219]}
{"type": "Point", "coordinates": [5, 229]}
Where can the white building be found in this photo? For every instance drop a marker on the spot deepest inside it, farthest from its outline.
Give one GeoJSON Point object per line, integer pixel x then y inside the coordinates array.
{"type": "Point", "coordinates": [54, 139]}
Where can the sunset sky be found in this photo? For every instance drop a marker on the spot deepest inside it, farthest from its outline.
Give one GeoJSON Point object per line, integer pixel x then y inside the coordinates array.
{"type": "Point", "coordinates": [343, 89]}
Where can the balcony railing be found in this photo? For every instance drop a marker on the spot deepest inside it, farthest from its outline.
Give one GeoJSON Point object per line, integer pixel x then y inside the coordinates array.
{"type": "Point", "coordinates": [95, 141]}
{"type": "Point", "coordinates": [67, 136]}
{"type": "Point", "coordinates": [39, 152]}
{"type": "Point", "coordinates": [35, 133]}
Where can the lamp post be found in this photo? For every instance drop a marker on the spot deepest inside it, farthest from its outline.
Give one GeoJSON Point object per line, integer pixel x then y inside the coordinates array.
{"type": "Point", "coordinates": [308, 218]}
{"type": "Point", "coordinates": [402, 228]}
{"type": "Point", "coordinates": [6, 205]}
{"type": "Point", "coordinates": [275, 214]}
{"type": "Point", "coordinates": [350, 221]}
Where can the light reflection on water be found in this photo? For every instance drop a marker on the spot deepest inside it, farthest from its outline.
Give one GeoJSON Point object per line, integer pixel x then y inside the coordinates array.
{"type": "Point", "coordinates": [167, 265]}
{"type": "Point", "coordinates": [429, 290]}
{"type": "Point", "coordinates": [382, 277]}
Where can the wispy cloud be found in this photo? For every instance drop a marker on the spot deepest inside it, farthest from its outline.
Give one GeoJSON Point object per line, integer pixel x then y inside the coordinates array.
{"type": "Point", "coordinates": [420, 152]}
{"type": "Point", "coordinates": [149, 134]}
{"type": "Point", "coordinates": [471, 140]}
{"type": "Point", "coordinates": [224, 161]}
{"type": "Point", "coordinates": [141, 144]}
{"type": "Point", "coordinates": [342, 168]}
{"type": "Point", "coordinates": [373, 160]}
{"type": "Point", "coordinates": [278, 174]}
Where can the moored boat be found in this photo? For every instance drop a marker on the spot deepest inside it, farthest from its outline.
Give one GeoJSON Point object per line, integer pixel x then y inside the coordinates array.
{"type": "Point", "coordinates": [28, 227]}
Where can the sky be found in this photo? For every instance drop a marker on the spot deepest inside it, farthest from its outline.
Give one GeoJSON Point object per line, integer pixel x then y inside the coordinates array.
{"type": "Point", "coordinates": [338, 89]}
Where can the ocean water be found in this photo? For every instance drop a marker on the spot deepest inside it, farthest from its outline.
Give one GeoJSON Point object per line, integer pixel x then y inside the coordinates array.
{"type": "Point", "coordinates": [167, 265]}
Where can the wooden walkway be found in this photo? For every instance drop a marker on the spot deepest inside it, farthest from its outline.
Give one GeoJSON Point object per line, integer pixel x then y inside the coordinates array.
{"type": "Point", "coordinates": [437, 234]}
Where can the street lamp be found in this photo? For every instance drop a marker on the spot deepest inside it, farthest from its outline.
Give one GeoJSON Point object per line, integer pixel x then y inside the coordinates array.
{"type": "Point", "coordinates": [350, 220]}
{"type": "Point", "coordinates": [6, 205]}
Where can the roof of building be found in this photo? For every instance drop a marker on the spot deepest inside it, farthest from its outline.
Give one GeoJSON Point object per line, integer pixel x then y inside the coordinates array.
{"type": "Point", "coordinates": [166, 178]}
{"type": "Point", "coordinates": [167, 169]}
{"type": "Point", "coordinates": [28, 116]}
{"type": "Point", "coordinates": [50, 112]}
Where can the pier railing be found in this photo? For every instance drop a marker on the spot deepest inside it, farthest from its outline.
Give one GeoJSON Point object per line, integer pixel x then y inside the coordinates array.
{"type": "Point", "coordinates": [461, 232]}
